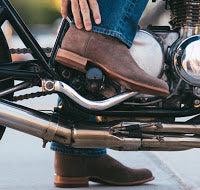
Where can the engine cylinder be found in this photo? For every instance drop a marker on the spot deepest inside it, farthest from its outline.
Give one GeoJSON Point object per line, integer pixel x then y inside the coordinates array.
{"type": "Point", "coordinates": [185, 13]}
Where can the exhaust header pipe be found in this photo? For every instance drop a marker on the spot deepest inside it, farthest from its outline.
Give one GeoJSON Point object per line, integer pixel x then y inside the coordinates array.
{"type": "Point", "coordinates": [89, 135]}
{"type": "Point", "coordinates": [33, 122]}
{"type": "Point", "coordinates": [51, 128]}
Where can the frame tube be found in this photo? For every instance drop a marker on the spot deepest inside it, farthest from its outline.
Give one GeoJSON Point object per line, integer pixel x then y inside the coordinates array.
{"type": "Point", "coordinates": [24, 33]}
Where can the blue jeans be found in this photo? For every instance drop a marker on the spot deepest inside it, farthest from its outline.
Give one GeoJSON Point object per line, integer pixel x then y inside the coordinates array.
{"type": "Point", "coordinates": [119, 19]}
{"type": "Point", "coordinates": [77, 151]}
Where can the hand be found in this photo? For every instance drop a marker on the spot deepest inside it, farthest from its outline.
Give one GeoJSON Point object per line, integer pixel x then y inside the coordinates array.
{"type": "Point", "coordinates": [82, 7]}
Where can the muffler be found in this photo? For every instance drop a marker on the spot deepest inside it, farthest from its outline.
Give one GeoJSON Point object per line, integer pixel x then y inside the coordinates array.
{"type": "Point", "coordinates": [52, 128]}
{"type": "Point", "coordinates": [91, 135]}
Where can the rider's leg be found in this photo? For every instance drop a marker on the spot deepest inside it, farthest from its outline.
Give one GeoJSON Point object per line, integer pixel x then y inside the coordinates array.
{"type": "Point", "coordinates": [107, 46]}
{"type": "Point", "coordinates": [74, 167]}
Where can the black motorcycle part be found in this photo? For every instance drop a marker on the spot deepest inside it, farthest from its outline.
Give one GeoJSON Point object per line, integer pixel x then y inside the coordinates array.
{"type": "Point", "coordinates": [6, 83]}
{"type": "Point", "coordinates": [94, 80]}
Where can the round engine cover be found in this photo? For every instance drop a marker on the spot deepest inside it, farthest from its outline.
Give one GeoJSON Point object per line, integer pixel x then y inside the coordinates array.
{"type": "Point", "coordinates": [148, 53]}
{"type": "Point", "coordinates": [187, 60]}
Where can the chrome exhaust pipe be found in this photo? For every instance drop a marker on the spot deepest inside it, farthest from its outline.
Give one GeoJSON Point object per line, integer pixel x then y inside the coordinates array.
{"type": "Point", "coordinates": [32, 122]}
{"type": "Point", "coordinates": [51, 128]}
{"type": "Point", "coordinates": [91, 135]}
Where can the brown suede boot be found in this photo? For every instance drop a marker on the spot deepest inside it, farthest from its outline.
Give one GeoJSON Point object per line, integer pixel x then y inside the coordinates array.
{"type": "Point", "coordinates": [81, 48]}
{"type": "Point", "coordinates": [77, 171]}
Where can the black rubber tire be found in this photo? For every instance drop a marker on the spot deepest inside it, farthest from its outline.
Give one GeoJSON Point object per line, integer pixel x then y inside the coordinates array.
{"type": "Point", "coordinates": [5, 57]}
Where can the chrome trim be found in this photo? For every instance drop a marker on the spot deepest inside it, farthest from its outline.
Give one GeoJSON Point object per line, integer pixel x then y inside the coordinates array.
{"type": "Point", "coordinates": [59, 86]}
{"type": "Point", "coordinates": [186, 60]}
{"type": "Point", "coordinates": [144, 48]}
{"type": "Point", "coordinates": [34, 123]}
{"type": "Point", "coordinates": [188, 31]}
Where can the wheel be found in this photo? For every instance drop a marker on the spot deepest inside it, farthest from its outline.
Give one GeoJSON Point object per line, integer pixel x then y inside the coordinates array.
{"type": "Point", "coordinates": [5, 57]}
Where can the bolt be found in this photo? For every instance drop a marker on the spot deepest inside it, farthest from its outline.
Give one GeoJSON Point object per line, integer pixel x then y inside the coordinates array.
{"type": "Point", "coordinates": [197, 102]}
{"type": "Point", "coordinates": [44, 143]}
{"type": "Point", "coordinates": [49, 86]}
{"type": "Point", "coordinates": [66, 74]}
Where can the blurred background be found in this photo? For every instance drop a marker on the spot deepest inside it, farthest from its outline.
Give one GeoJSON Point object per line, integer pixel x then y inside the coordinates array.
{"type": "Point", "coordinates": [41, 17]}
{"type": "Point", "coordinates": [38, 12]}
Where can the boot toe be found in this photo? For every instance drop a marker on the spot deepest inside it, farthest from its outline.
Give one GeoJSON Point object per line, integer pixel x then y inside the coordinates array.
{"type": "Point", "coordinates": [146, 174]}
{"type": "Point", "coordinates": [141, 176]}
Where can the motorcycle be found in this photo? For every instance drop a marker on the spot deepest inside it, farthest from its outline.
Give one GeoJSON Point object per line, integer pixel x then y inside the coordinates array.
{"type": "Point", "coordinates": [121, 119]}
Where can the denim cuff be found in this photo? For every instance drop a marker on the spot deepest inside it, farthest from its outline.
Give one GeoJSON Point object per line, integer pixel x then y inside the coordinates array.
{"type": "Point", "coordinates": [110, 32]}
{"type": "Point", "coordinates": [77, 151]}
{"type": "Point", "coordinates": [119, 18]}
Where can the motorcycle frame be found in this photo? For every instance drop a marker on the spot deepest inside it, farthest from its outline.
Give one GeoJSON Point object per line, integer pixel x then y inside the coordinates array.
{"type": "Point", "coordinates": [7, 12]}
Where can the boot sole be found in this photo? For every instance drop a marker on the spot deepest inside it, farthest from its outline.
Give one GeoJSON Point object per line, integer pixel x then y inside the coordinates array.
{"type": "Point", "coordinates": [80, 63]}
{"type": "Point", "coordinates": [73, 182]}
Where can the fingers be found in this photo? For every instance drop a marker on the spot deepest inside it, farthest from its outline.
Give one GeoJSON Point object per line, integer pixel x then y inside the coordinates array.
{"type": "Point", "coordinates": [85, 11]}
{"type": "Point", "coordinates": [82, 7]}
{"type": "Point", "coordinates": [76, 13]}
{"type": "Point", "coordinates": [64, 4]}
{"type": "Point", "coordinates": [95, 11]}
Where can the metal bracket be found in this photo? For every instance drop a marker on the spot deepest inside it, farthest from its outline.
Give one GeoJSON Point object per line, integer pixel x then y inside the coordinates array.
{"type": "Point", "coordinates": [133, 130]}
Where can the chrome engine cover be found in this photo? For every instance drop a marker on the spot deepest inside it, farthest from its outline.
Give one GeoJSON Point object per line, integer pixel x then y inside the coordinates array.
{"type": "Point", "coordinates": [187, 60]}
{"type": "Point", "coordinates": [148, 53]}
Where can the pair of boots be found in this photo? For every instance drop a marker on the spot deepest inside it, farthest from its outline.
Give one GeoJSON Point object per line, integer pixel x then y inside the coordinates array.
{"type": "Point", "coordinates": [108, 53]}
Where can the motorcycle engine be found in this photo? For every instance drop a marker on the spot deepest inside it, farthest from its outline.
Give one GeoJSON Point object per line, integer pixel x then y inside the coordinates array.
{"type": "Point", "coordinates": [173, 53]}
{"type": "Point", "coordinates": [184, 53]}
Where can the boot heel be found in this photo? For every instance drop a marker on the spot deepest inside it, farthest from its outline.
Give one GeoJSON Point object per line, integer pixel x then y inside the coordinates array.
{"type": "Point", "coordinates": [71, 60]}
{"type": "Point", "coordinates": [71, 181]}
